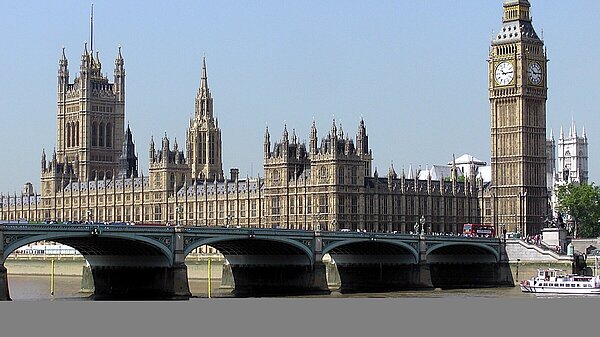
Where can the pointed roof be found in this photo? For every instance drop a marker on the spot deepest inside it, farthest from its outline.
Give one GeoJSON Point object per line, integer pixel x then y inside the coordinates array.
{"type": "Point", "coordinates": [204, 78]}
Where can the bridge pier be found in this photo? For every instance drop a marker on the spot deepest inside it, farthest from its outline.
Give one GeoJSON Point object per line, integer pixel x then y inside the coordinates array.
{"type": "Point", "coordinates": [4, 294]}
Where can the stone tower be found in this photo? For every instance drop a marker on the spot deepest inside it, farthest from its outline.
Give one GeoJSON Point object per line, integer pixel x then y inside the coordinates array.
{"type": "Point", "coordinates": [204, 136]}
{"type": "Point", "coordinates": [90, 118]}
{"type": "Point", "coordinates": [518, 92]}
{"type": "Point", "coordinates": [572, 156]}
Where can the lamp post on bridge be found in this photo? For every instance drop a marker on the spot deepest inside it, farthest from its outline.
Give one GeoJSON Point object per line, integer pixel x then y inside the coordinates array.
{"type": "Point", "coordinates": [422, 225]}
{"type": "Point", "coordinates": [319, 217]}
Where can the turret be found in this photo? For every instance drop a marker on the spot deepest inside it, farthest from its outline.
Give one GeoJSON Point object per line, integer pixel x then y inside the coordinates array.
{"type": "Point", "coordinates": [313, 139]}
{"type": "Point", "coordinates": [165, 149]}
{"type": "Point", "coordinates": [63, 73]}
{"type": "Point", "coordinates": [151, 152]}
{"type": "Point", "coordinates": [267, 144]}
{"type": "Point", "coordinates": [119, 78]}
{"type": "Point", "coordinates": [43, 161]}
{"type": "Point", "coordinates": [362, 140]}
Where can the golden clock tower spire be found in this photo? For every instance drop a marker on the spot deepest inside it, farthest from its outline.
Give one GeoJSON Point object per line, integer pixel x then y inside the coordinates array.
{"type": "Point", "coordinates": [518, 93]}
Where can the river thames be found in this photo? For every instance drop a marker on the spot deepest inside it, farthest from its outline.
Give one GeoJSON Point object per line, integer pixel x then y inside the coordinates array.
{"type": "Point", "coordinates": [37, 288]}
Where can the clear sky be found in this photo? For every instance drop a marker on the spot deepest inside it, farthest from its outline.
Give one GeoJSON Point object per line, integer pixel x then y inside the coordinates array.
{"type": "Point", "coordinates": [415, 70]}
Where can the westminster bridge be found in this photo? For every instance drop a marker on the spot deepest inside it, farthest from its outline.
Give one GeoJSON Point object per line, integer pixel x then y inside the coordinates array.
{"type": "Point", "coordinates": [149, 261]}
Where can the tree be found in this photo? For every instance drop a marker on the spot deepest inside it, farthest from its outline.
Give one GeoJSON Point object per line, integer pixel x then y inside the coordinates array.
{"type": "Point", "coordinates": [582, 203]}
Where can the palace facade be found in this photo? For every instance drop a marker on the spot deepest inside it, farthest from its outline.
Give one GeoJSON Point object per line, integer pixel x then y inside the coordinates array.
{"type": "Point", "coordinates": [327, 184]}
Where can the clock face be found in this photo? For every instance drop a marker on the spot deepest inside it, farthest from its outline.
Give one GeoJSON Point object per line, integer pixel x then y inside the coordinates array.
{"type": "Point", "coordinates": [504, 73]}
{"type": "Point", "coordinates": [534, 72]}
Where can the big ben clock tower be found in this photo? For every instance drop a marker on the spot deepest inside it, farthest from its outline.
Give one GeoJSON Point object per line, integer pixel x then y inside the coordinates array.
{"type": "Point", "coordinates": [518, 92]}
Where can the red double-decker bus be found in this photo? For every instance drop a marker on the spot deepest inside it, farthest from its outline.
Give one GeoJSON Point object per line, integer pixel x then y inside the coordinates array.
{"type": "Point", "coordinates": [479, 231]}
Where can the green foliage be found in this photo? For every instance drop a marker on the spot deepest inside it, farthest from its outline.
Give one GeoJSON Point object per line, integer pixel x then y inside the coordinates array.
{"type": "Point", "coordinates": [582, 203]}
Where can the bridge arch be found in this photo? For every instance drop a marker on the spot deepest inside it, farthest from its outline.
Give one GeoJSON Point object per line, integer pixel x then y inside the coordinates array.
{"type": "Point", "coordinates": [82, 241]}
{"type": "Point", "coordinates": [240, 245]}
{"type": "Point", "coordinates": [331, 248]}
{"type": "Point", "coordinates": [463, 249]}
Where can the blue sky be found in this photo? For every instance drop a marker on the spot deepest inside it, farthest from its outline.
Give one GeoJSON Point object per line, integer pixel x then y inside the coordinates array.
{"type": "Point", "coordinates": [415, 70]}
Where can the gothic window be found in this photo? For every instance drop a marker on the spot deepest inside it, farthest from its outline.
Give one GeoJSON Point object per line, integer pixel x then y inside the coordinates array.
{"type": "Point", "coordinates": [109, 135]}
{"type": "Point", "coordinates": [157, 213]}
{"type": "Point", "coordinates": [323, 172]}
{"type": "Point", "coordinates": [72, 134]}
{"type": "Point", "coordinates": [211, 149]}
{"type": "Point", "coordinates": [77, 133]}
{"type": "Point", "coordinates": [342, 205]}
{"type": "Point", "coordinates": [201, 149]}
{"type": "Point", "coordinates": [108, 175]}
{"type": "Point", "coordinates": [221, 209]}
{"type": "Point", "coordinates": [94, 134]}
{"type": "Point", "coordinates": [354, 208]}
{"type": "Point", "coordinates": [323, 204]}
{"type": "Point", "coordinates": [68, 136]}
{"type": "Point", "coordinates": [292, 210]}
{"type": "Point", "coordinates": [253, 208]}
{"type": "Point", "coordinates": [275, 206]}
{"type": "Point", "coordinates": [242, 210]}
{"type": "Point", "coordinates": [353, 177]}
{"type": "Point", "coordinates": [101, 135]}
{"type": "Point", "coordinates": [341, 175]}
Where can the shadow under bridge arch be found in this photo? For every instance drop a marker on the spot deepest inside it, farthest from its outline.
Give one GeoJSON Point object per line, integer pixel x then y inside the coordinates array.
{"type": "Point", "coordinates": [464, 265]}
{"type": "Point", "coordinates": [122, 266]}
{"type": "Point", "coordinates": [374, 265]}
{"type": "Point", "coordinates": [268, 266]}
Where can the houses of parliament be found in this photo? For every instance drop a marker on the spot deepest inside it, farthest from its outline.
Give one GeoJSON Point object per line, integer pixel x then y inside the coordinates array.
{"type": "Point", "coordinates": [327, 184]}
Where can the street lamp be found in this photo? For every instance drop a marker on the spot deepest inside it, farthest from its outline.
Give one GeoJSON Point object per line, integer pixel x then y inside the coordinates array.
{"type": "Point", "coordinates": [503, 233]}
{"type": "Point", "coordinates": [228, 219]}
{"type": "Point", "coordinates": [422, 223]}
{"type": "Point", "coordinates": [89, 214]}
{"type": "Point", "coordinates": [318, 216]}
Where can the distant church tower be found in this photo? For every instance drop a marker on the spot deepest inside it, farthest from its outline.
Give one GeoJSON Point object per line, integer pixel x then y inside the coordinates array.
{"type": "Point", "coordinates": [518, 93]}
{"type": "Point", "coordinates": [204, 136]}
{"type": "Point", "coordinates": [573, 156]}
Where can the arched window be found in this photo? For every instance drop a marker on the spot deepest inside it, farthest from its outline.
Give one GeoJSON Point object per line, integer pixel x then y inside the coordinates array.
{"type": "Point", "coordinates": [94, 134]}
{"type": "Point", "coordinates": [76, 133]}
{"type": "Point", "coordinates": [72, 133]}
{"type": "Point", "coordinates": [101, 135]}
{"type": "Point", "coordinates": [108, 135]}
{"type": "Point", "coordinates": [108, 175]}
{"type": "Point", "coordinates": [68, 135]}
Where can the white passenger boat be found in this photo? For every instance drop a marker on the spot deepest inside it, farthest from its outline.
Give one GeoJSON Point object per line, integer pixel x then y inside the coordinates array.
{"type": "Point", "coordinates": [558, 282]}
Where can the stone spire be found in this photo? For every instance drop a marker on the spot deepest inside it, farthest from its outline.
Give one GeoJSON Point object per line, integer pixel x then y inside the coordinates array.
{"type": "Point", "coordinates": [267, 143]}
{"type": "Point", "coordinates": [313, 138]}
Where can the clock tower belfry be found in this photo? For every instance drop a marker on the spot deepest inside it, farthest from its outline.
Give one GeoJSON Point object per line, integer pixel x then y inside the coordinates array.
{"type": "Point", "coordinates": [518, 93]}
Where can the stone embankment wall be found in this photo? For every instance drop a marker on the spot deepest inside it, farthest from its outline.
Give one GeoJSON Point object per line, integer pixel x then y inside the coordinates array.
{"type": "Point", "coordinates": [518, 249]}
